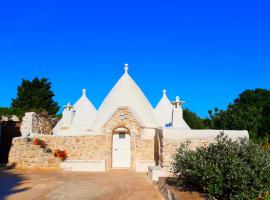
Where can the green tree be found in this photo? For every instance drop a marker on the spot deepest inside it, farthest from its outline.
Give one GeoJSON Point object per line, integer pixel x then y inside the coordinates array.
{"type": "Point", "coordinates": [250, 111]}
{"type": "Point", "coordinates": [214, 121]}
{"type": "Point", "coordinates": [9, 112]}
{"type": "Point", "coordinates": [193, 120]}
{"type": "Point", "coordinates": [35, 95]}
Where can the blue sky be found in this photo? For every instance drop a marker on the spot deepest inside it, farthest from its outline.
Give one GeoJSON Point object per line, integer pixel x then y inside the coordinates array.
{"type": "Point", "coordinates": [207, 52]}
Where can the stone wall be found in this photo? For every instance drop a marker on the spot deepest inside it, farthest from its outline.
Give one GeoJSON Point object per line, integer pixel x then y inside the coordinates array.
{"type": "Point", "coordinates": [171, 139]}
{"type": "Point", "coordinates": [92, 147]}
{"type": "Point", "coordinates": [145, 149]}
{"type": "Point", "coordinates": [8, 130]}
{"type": "Point", "coordinates": [122, 117]}
{"type": "Point", "coordinates": [24, 154]}
{"type": "Point", "coordinates": [33, 123]}
{"type": "Point", "coordinates": [170, 146]}
{"type": "Point", "coordinates": [99, 147]}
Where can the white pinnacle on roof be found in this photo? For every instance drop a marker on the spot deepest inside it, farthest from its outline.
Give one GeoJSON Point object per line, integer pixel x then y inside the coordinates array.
{"type": "Point", "coordinates": [163, 111]}
{"type": "Point", "coordinates": [85, 114]}
{"type": "Point", "coordinates": [126, 93]}
{"type": "Point", "coordinates": [178, 119]}
{"type": "Point", "coordinates": [126, 68]}
{"type": "Point", "coordinates": [66, 121]}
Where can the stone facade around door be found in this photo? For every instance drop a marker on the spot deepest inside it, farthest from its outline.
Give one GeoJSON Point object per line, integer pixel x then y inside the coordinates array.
{"type": "Point", "coordinates": [141, 149]}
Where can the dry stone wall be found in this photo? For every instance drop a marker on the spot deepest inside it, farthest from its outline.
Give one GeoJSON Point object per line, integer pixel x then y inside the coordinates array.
{"type": "Point", "coordinates": [28, 155]}
{"type": "Point", "coordinates": [24, 154]}
{"type": "Point", "coordinates": [171, 139]}
{"type": "Point", "coordinates": [170, 146]}
{"type": "Point", "coordinates": [90, 147]}
{"type": "Point", "coordinates": [33, 123]}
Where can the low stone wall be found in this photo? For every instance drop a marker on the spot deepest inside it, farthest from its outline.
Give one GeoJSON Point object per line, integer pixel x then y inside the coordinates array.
{"type": "Point", "coordinates": [85, 148]}
{"type": "Point", "coordinates": [24, 154]}
{"type": "Point", "coordinates": [94, 147]}
{"type": "Point", "coordinates": [170, 146]}
{"type": "Point", "coordinates": [171, 139]}
{"type": "Point", "coordinates": [90, 147]}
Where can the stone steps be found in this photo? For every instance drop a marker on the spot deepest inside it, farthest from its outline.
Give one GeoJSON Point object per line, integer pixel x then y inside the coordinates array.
{"type": "Point", "coordinates": [84, 165]}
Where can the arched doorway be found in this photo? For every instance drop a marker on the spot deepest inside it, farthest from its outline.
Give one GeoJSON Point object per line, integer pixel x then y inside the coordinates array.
{"type": "Point", "coordinates": [121, 153]}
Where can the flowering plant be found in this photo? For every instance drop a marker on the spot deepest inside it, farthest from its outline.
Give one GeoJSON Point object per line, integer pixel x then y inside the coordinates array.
{"type": "Point", "coordinates": [39, 142]}
{"type": "Point", "coordinates": [60, 154]}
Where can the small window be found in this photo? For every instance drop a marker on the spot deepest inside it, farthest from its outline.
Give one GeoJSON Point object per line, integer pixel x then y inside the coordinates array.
{"type": "Point", "coordinates": [122, 135]}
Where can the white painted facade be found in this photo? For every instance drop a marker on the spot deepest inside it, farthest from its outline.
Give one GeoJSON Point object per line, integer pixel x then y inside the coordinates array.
{"type": "Point", "coordinates": [185, 134]}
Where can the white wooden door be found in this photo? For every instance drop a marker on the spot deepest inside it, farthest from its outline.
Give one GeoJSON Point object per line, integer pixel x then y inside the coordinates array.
{"type": "Point", "coordinates": [121, 156]}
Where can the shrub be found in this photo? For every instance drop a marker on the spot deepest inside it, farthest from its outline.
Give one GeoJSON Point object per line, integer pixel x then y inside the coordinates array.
{"type": "Point", "coordinates": [225, 170]}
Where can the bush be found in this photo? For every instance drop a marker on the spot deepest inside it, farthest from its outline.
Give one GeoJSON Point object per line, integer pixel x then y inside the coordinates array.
{"type": "Point", "coordinates": [225, 170]}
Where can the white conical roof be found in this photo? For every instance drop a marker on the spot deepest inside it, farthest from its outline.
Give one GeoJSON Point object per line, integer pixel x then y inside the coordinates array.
{"type": "Point", "coordinates": [85, 114]}
{"type": "Point", "coordinates": [163, 110]}
{"type": "Point", "coordinates": [58, 126]}
{"type": "Point", "coordinates": [126, 93]}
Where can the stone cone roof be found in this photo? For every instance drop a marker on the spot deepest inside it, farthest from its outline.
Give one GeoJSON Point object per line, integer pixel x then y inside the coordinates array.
{"type": "Point", "coordinates": [163, 110]}
{"type": "Point", "coordinates": [85, 114]}
{"type": "Point", "coordinates": [126, 93]}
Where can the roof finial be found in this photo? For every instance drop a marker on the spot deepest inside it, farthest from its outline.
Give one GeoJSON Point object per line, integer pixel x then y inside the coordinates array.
{"type": "Point", "coordinates": [126, 68]}
{"type": "Point", "coordinates": [178, 103]}
{"type": "Point", "coordinates": [68, 107]}
{"type": "Point", "coordinates": [84, 91]}
{"type": "Point", "coordinates": [164, 92]}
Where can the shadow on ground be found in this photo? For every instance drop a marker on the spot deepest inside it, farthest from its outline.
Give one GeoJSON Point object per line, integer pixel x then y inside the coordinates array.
{"type": "Point", "coordinates": [9, 183]}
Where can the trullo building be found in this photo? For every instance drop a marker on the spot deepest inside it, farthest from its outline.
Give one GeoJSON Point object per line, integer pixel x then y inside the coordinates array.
{"type": "Point", "coordinates": [126, 131]}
